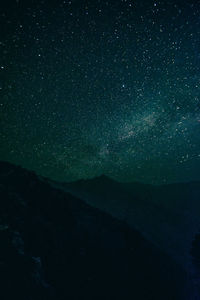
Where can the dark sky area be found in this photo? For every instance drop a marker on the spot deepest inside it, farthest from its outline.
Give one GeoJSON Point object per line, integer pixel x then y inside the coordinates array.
{"type": "Point", "coordinates": [92, 87]}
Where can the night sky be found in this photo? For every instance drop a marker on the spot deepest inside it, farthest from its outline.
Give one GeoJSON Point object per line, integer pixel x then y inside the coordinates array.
{"type": "Point", "coordinates": [101, 87]}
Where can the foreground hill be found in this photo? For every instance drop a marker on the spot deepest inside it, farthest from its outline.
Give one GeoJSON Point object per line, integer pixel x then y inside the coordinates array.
{"type": "Point", "coordinates": [167, 215]}
{"type": "Point", "coordinates": [54, 246]}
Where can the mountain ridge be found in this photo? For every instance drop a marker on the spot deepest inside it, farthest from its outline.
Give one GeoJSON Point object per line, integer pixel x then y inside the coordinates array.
{"type": "Point", "coordinates": [55, 246]}
{"type": "Point", "coordinates": [171, 210]}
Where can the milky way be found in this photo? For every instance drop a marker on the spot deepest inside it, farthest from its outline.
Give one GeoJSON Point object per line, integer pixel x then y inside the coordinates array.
{"type": "Point", "coordinates": [92, 87]}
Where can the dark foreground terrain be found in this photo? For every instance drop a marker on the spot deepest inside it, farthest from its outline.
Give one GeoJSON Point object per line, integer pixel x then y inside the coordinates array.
{"type": "Point", "coordinates": [54, 246]}
{"type": "Point", "coordinates": [167, 215]}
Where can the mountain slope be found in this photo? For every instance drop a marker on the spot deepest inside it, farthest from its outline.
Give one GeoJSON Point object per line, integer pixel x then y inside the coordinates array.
{"type": "Point", "coordinates": [54, 246]}
{"type": "Point", "coordinates": [168, 215]}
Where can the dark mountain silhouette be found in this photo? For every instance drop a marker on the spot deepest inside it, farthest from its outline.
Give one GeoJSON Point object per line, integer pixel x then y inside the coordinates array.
{"type": "Point", "coordinates": [55, 246]}
{"type": "Point", "coordinates": [167, 215]}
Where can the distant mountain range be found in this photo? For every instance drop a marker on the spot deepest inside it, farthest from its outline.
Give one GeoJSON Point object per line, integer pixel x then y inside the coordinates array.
{"type": "Point", "coordinates": [167, 215]}
{"type": "Point", "coordinates": [54, 246]}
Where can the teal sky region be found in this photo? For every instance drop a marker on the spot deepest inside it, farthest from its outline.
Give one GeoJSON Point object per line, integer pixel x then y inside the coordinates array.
{"type": "Point", "coordinates": [101, 87]}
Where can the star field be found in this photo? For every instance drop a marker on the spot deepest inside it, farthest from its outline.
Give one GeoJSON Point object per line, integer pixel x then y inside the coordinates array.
{"type": "Point", "coordinates": [92, 87]}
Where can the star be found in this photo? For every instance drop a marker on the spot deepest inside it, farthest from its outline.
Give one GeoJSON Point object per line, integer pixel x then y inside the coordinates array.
{"type": "Point", "coordinates": [111, 89]}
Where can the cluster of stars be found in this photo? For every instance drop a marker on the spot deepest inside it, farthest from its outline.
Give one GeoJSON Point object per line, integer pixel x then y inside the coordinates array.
{"type": "Point", "coordinates": [104, 87]}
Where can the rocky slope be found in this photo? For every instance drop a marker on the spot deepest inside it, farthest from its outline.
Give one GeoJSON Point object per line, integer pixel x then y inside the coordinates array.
{"type": "Point", "coordinates": [168, 215]}
{"type": "Point", "coordinates": [54, 246]}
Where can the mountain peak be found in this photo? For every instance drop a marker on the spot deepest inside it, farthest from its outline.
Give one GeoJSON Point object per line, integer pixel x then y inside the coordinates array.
{"type": "Point", "coordinates": [103, 177]}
